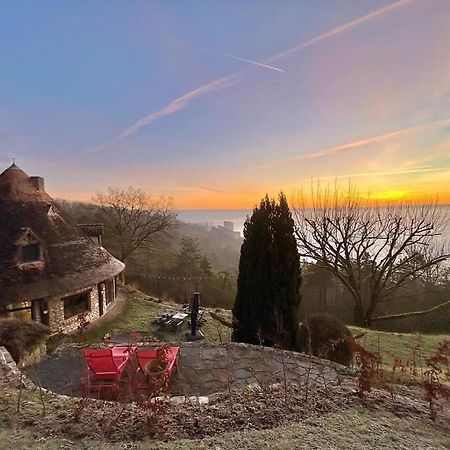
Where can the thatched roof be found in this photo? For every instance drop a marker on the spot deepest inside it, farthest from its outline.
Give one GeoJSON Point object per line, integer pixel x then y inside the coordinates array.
{"type": "Point", "coordinates": [70, 260]}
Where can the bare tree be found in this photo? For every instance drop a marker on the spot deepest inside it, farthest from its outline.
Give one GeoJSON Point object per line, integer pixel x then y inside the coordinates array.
{"type": "Point", "coordinates": [373, 250]}
{"type": "Point", "coordinates": [134, 217]}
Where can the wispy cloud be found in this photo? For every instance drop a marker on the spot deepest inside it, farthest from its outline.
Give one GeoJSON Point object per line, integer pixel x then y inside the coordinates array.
{"type": "Point", "coordinates": [341, 148]}
{"type": "Point", "coordinates": [386, 174]}
{"type": "Point", "coordinates": [266, 66]}
{"type": "Point", "coordinates": [182, 101]}
{"type": "Point", "coordinates": [192, 189]}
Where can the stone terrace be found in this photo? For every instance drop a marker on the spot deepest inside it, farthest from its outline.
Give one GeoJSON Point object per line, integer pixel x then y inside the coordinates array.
{"type": "Point", "coordinates": [202, 369]}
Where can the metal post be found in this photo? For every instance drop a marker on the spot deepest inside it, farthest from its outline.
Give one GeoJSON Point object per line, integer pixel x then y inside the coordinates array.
{"type": "Point", "coordinates": [194, 312]}
{"type": "Point", "coordinates": [195, 334]}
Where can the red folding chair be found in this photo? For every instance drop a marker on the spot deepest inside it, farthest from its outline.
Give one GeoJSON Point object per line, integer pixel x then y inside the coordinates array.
{"type": "Point", "coordinates": [105, 367]}
{"type": "Point", "coordinates": [150, 380]}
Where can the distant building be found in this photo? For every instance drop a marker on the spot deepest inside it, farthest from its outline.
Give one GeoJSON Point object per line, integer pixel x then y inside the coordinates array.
{"type": "Point", "coordinates": [50, 271]}
{"type": "Point", "coordinates": [228, 225]}
{"type": "Point", "coordinates": [227, 228]}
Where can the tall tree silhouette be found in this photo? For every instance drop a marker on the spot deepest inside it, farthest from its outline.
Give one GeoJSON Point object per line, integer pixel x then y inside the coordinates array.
{"type": "Point", "coordinates": [266, 307]}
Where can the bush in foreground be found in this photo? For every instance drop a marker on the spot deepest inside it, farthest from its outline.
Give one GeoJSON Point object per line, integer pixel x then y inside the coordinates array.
{"type": "Point", "coordinates": [325, 336]}
{"type": "Point", "coordinates": [20, 337]}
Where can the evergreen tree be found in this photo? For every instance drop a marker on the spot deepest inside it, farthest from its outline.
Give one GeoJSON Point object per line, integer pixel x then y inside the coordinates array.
{"type": "Point", "coordinates": [267, 301]}
{"type": "Point", "coordinates": [189, 257]}
{"type": "Point", "coordinates": [190, 260]}
{"type": "Point", "coordinates": [205, 267]}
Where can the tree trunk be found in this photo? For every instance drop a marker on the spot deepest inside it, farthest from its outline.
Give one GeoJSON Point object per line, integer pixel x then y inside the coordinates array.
{"type": "Point", "coordinates": [358, 315]}
{"type": "Point", "coordinates": [370, 310]}
{"type": "Point", "coordinates": [122, 274]}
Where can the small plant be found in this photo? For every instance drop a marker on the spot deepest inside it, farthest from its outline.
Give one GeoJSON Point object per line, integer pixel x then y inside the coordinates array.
{"type": "Point", "coordinates": [160, 362]}
{"type": "Point", "coordinates": [156, 370]}
{"type": "Point", "coordinates": [368, 363]}
{"type": "Point", "coordinates": [416, 349]}
{"type": "Point", "coordinates": [83, 321]}
{"type": "Point", "coordinates": [435, 376]}
{"type": "Point", "coordinates": [80, 407]}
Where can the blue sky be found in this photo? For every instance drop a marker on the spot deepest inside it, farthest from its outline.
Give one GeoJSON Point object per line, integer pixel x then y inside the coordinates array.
{"type": "Point", "coordinates": [112, 93]}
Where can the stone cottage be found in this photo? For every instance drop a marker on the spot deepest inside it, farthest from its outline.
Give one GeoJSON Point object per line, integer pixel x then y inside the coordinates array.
{"type": "Point", "coordinates": [50, 271]}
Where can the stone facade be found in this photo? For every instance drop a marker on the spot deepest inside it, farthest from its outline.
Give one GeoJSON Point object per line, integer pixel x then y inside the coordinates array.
{"type": "Point", "coordinates": [100, 298]}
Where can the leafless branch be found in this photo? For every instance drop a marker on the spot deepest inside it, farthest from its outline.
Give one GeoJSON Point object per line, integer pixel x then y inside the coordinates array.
{"type": "Point", "coordinates": [134, 217]}
{"type": "Point", "coordinates": [372, 249]}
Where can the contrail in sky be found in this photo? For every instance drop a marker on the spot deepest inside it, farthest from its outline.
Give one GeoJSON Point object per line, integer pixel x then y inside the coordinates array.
{"type": "Point", "coordinates": [339, 29]}
{"type": "Point", "coordinates": [182, 101]}
{"type": "Point", "coordinates": [341, 148]}
{"type": "Point", "coordinates": [179, 103]}
{"type": "Point", "coordinates": [247, 60]}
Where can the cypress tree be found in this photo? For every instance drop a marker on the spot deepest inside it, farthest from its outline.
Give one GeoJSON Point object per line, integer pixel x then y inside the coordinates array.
{"type": "Point", "coordinates": [267, 300]}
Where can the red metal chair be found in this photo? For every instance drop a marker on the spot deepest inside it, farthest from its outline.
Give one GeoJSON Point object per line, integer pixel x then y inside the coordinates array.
{"type": "Point", "coordinates": [106, 367]}
{"type": "Point", "coordinates": [154, 381]}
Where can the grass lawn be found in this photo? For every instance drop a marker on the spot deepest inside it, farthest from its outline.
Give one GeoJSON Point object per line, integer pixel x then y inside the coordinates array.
{"type": "Point", "coordinates": [139, 311]}
{"type": "Point", "coordinates": [403, 345]}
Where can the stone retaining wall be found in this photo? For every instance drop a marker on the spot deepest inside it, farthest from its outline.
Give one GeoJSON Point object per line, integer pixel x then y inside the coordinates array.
{"type": "Point", "coordinates": [203, 370]}
{"type": "Point", "coordinates": [10, 372]}
{"type": "Point", "coordinates": [206, 369]}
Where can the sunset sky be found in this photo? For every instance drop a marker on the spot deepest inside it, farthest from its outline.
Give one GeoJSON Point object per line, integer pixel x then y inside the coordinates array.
{"type": "Point", "coordinates": [217, 102]}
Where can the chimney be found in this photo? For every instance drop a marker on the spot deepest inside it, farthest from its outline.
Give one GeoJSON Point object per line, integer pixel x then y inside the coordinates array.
{"type": "Point", "coordinates": [37, 183]}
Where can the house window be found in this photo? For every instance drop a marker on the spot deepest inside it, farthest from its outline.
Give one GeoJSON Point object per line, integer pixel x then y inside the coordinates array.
{"type": "Point", "coordinates": [76, 304]}
{"type": "Point", "coordinates": [20, 311]}
{"type": "Point", "coordinates": [29, 247]}
{"type": "Point", "coordinates": [30, 253]}
{"type": "Point", "coordinates": [109, 291]}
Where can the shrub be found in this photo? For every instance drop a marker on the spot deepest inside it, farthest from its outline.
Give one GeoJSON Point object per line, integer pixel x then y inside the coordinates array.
{"type": "Point", "coordinates": [368, 363]}
{"type": "Point", "coordinates": [20, 337]}
{"type": "Point", "coordinates": [325, 336]}
{"type": "Point", "coordinates": [436, 378]}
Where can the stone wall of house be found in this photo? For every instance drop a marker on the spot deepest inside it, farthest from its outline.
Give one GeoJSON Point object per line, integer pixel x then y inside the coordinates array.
{"type": "Point", "coordinates": [57, 322]}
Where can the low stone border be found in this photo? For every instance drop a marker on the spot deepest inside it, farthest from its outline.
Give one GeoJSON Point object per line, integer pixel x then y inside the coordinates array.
{"type": "Point", "coordinates": [10, 371]}
{"type": "Point", "coordinates": [181, 400]}
{"type": "Point", "coordinates": [203, 365]}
